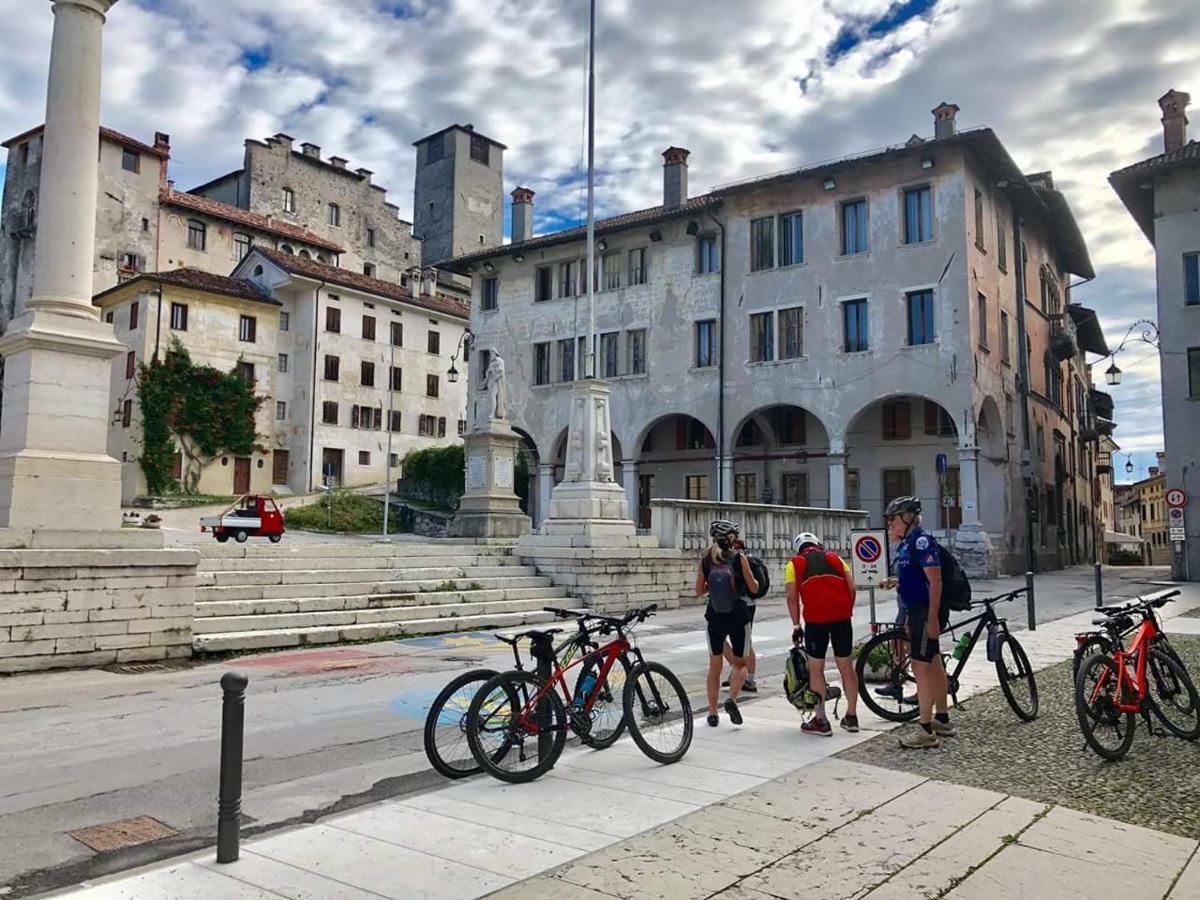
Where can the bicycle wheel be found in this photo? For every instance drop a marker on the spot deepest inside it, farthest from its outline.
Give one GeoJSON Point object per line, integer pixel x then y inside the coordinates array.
{"type": "Point", "coordinates": [1107, 729]}
{"type": "Point", "coordinates": [504, 733]}
{"type": "Point", "coordinates": [1172, 695]}
{"type": "Point", "coordinates": [608, 710]}
{"type": "Point", "coordinates": [658, 712]}
{"type": "Point", "coordinates": [1095, 643]}
{"type": "Point", "coordinates": [897, 679]}
{"type": "Point", "coordinates": [445, 725]}
{"type": "Point", "coordinates": [1016, 678]}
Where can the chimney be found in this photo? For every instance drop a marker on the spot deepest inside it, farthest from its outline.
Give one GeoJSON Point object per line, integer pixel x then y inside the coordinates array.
{"type": "Point", "coordinates": [1161, 458]}
{"type": "Point", "coordinates": [162, 141]}
{"type": "Point", "coordinates": [1153, 470]}
{"type": "Point", "coordinates": [522, 214]}
{"type": "Point", "coordinates": [284, 139]}
{"type": "Point", "coordinates": [311, 150]}
{"type": "Point", "coordinates": [1174, 119]}
{"type": "Point", "coordinates": [337, 162]}
{"type": "Point", "coordinates": [364, 174]}
{"type": "Point", "coordinates": [675, 186]}
{"type": "Point", "coordinates": [943, 120]}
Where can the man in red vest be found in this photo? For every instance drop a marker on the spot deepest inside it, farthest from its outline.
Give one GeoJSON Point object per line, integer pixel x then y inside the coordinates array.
{"type": "Point", "coordinates": [822, 580]}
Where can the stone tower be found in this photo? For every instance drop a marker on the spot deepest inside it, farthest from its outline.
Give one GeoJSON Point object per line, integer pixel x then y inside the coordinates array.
{"type": "Point", "coordinates": [458, 203]}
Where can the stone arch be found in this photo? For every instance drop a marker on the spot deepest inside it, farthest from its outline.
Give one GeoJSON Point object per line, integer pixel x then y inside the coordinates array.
{"type": "Point", "coordinates": [676, 458]}
{"type": "Point", "coordinates": [528, 492]}
{"type": "Point", "coordinates": [780, 455]}
{"type": "Point", "coordinates": [304, 254]}
{"type": "Point", "coordinates": [993, 459]}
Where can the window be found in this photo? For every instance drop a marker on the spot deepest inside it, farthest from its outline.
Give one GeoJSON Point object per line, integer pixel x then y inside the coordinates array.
{"type": "Point", "coordinates": [762, 337]}
{"type": "Point", "coordinates": [708, 256]}
{"type": "Point", "coordinates": [795, 488]}
{"type": "Point", "coordinates": [364, 457]}
{"type": "Point", "coordinates": [283, 362]}
{"type": "Point", "coordinates": [441, 432]}
{"type": "Point", "coordinates": [126, 413]}
{"type": "Point", "coordinates": [133, 316]}
{"type": "Point", "coordinates": [566, 279]}
{"type": "Point", "coordinates": [1005, 352]}
{"type": "Point", "coordinates": [479, 149]}
{"type": "Point", "coordinates": [394, 420]}
{"type": "Point", "coordinates": [369, 269]}
{"type": "Point", "coordinates": [241, 245]}
{"type": "Point", "coordinates": [108, 317]}
{"type": "Point", "coordinates": [897, 420]}
{"type": "Point", "coordinates": [366, 375]}
{"type": "Point", "coordinates": [332, 367]}
{"type": "Point", "coordinates": [1191, 279]}
{"type": "Point", "coordinates": [368, 328]}
{"type": "Point", "coordinates": [397, 378]}
{"type": "Point", "coordinates": [289, 200]}
{"type": "Point", "coordinates": [789, 425]}
{"type": "Point", "coordinates": [608, 354]}
{"type": "Point", "coordinates": [130, 160]}
{"type": "Point", "coordinates": [426, 426]}
{"type": "Point", "coordinates": [637, 266]}
{"type": "Point", "coordinates": [397, 336]}
{"type": "Point", "coordinates": [854, 323]}
{"type": "Point", "coordinates": [791, 333]}
{"type": "Point", "coordinates": [896, 483]}
{"type": "Point", "coordinates": [696, 487]}
{"type": "Point", "coordinates": [745, 488]}
{"type": "Point", "coordinates": [1193, 360]}
{"type": "Point", "coordinates": [979, 219]}
{"type": "Point", "coordinates": [938, 422]}
{"type": "Point", "coordinates": [1054, 382]}
{"type": "Point", "coordinates": [246, 371]}
{"type": "Point", "coordinates": [543, 283]}
{"type": "Point", "coordinates": [370, 237]}
{"type": "Point", "coordinates": [130, 364]}
{"type": "Point", "coordinates": [1001, 244]}
{"type": "Point", "coordinates": [179, 313]}
{"type": "Point", "coordinates": [329, 412]}
{"type": "Point", "coordinates": [435, 149]}
{"type": "Point", "coordinates": [983, 321]}
{"type": "Point", "coordinates": [462, 427]}
{"type": "Point", "coordinates": [706, 343]}
{"type": "Point", "coordinates": [24, 153]}
{"type": "Point", "coordinates": [433, 342]}
{"type": "Point", "coordinates": [920, 317]}
{"type": "Point", "coordinates": [285, 321]}
{"type": "Point", "coordinates": [762, 243]}
{"type": "Point", "coordinates": [541, 363]}
{"type": "Point", "coordinates": [280, 410]}
{"type": "Point", "coordinates": [566, 359]}
{"type": "Point", "coordinates": [197, 234]}
{"type": "Point", "coordinates": [610, 270]}
{"type": "Point", "coordinates": [333, 319]}
{"type": "Point", "coordinates": [145, 224]}
{"type": "Point", "coordinates": [918, 215]}
{"type": "Point", "coordinates": [247, 329]}
{"type": "Point", "coordinates": [431, 385]}
{"type": "Point", "coordinates": [791, 239]}
{"type": "Point", "coordinates": [635, 347]}
{"type": "Point", "coordinates": [489, 293]}
{"type": "Point", "coordinates": [335, 215]}
{"type": "Point", "coordinates": [854, 227]}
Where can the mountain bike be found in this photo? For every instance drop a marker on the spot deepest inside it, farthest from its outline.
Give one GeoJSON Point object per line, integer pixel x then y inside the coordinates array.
{"type": "Point", "coordinates": [1112, 688]}
{"type": "Point", "coordinates": [1088, 643]}
{"type": "Point", "coordinates": [1016, 677]}
{"type": "Point", "coordinates": [517, 724]}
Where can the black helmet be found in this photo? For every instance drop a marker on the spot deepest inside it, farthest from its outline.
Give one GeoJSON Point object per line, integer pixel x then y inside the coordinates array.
{"type": "Point", "coordinates": [722, 529]}
{"type": "Point", "coordinates": [903, 505]}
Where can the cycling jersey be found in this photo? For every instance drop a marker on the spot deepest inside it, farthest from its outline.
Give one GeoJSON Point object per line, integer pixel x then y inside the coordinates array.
{"type": "Point", "coordinates": [917, 552]}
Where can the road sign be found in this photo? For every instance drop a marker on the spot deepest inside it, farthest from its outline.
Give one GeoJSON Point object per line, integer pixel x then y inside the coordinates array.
{"type": "Point", "coordinates": [1178, 534]}
{"type": "Point", "coordinates": [1175, 516]}
{"type": "Point", "coordinates": [941, 464]}
{"type": "Point", "coordinates": [869, 557]}
{"type": "Point", "coordinates": [1176, 498]}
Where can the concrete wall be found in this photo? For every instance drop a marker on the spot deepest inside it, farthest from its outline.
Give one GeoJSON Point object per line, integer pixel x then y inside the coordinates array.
{"type": "Point", "coordinates": [458, 203]}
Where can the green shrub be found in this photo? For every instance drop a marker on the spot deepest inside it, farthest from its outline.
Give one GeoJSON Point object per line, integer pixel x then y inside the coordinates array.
{"type": "Point", "coordinates": [350, 513]}
{"type": "Point", "coordinates": [1125, 558]}
{"type": "Point", "coordinates": [434, 475]}
{"type": "Point", "coordinates": [880, 658]}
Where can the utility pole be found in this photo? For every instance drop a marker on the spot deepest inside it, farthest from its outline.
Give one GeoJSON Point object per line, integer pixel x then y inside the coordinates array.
{"type": "Point", "coordinates": [592, 371]}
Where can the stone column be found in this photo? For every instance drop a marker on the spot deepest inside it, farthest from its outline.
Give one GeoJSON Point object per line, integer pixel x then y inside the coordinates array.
{"type": "Point", "coordinates": [972, 545]}
{"type": "Point", "coordinates": [968, 479]}
{"type": "Point", "coordinates": [545, 487]}
{"type": "Point", "coordinates": [837, 479]}
{"type": "Point", "coordinates": [726, 464]}
{"type": "Point", "coordinates": [630, 476]}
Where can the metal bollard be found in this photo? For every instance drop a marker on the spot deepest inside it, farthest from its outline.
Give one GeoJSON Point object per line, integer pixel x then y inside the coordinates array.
{"type": "Point", "coordinates": [545, 735]}
{"type": "Point", "coordinates": [1029, 601]}
{"type": "Point", "coordinates": [229, 802]}
{"type": "Point", "coordinates": [1099, 586]}
{"type": "Point", "coordinates": [874, 621]}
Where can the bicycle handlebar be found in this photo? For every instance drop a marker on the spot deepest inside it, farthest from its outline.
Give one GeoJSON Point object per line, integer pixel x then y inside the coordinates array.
{"type": "Point", "coordinates": [1000, 598]}
{"type": "Point", "coordinates": [1139, 603]}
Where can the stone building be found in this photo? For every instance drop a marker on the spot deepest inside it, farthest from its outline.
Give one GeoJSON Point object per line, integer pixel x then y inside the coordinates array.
{"type": "Point", "coordinates": [1142, 512]}
{"type": "Point", "coordinates": [458, 205]}
{"type": "Point", "coordinates": [344, 362]}
{"type": "Point", "coordinates": [833, 336]}
{"type": "Point", "coordinates": [1160, 193]}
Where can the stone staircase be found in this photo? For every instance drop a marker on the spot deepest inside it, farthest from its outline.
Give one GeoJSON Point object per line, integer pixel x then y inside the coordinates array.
{"type": "Point", "coordinates": [258, 597]}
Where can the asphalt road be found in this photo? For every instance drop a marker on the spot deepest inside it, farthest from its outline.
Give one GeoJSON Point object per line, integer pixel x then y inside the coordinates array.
{"type": "Point", "coordinates": [325, 729]}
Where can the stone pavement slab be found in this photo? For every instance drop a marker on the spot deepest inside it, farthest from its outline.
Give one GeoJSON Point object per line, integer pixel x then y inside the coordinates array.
{"type": "Point", "coordinates": [1023, 873]}
{"type": "Point", "coordinates": [1188, 885]}
{"type": "Point", "coordinates": [1106, 843]}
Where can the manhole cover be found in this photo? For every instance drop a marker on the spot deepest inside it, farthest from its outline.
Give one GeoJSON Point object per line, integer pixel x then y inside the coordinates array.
{"type": "Point", "coordinates": [122, 834]}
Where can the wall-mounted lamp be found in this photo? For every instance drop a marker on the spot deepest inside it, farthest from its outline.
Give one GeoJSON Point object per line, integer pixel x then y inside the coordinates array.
{"type": "Point", "coordinates": [927, 162]}
{"type": "Point", "coordinates": [1128, 464]}
{"type": "Point", "coordinates": [829, 184]}
{"type": "Point", "coordinates": [1113, 374]}
{"type": "Point", "coordinates": [656, 235]}
{"type": "Point", "coordinates": [518, 257]}
{"type": "Point", "coordinates": [602, 245]}
{"type": "Point", "coordinates": [464, 346]}
{"type": "Point", "coordinates": [693, 227]}
{"type": "Point", "coordinates": [488, 267]}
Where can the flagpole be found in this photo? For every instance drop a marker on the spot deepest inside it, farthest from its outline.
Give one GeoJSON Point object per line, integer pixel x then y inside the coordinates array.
{"type": "Point", "coordinates": [591, 200]}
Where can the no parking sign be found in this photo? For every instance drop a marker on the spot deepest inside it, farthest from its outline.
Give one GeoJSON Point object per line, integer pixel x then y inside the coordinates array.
{"type": "Point", "coordinates": [869, 557]}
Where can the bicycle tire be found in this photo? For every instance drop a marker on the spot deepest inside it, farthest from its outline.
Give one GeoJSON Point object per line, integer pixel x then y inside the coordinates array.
{"type": "Point", "coordinates": [896, 711]}
{"type": "Point", "coordinates": [604, 740]}
{"type": "Point", "coordinates": [1026, 713]}
{"type": "Point", "coordinates": [519, 687]}
{"type": "Point", "coordinates": [452, 768]}
{"type": "Point", "coordinates": [648, 670]}
{"type": "Point", "coordinates": [1109, 713]}
{"type": "Point", "coordinates": [1095, 643]}
{"type": "Point", "coordinates": [1177, 680]}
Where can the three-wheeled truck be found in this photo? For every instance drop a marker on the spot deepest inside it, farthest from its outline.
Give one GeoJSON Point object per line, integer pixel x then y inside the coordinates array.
{"type": "Point", "coordinates": [251, 516]}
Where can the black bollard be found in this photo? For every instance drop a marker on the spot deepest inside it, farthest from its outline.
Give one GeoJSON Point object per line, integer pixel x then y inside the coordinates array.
{"type": "Point", "coordinates": [1029, 604]}
{"type": "Point", "coordinates": [1099, 585]}
{"type": "Point", "coordinates": [229, 802]}
{"type": "Point", "coordinates": [545, 735]}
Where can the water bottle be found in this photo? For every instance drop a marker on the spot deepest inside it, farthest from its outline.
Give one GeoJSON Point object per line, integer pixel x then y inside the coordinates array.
{"type": "Point", "coordinates": [960, 647]}
{"type": "Point", "coordinates": [584, 688]}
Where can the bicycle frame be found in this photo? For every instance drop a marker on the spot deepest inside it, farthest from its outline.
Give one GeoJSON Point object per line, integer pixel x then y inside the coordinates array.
{"type": "Point", "coordinates": [1137, 679]}
{"type": "Point", "coordinates": [611, 651]}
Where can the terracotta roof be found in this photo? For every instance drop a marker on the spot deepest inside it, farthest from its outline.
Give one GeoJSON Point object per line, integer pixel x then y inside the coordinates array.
{"type": "Point", "coordinates": [199, 280]}
{"type": "Point", "coordinates": [240, 216]}
{"type": "Point", "coordinates": [115, 136]}
{"type": "Point", "coordinates": [310, 268]}
{"type": "Point", "coordinates": [1140, 202]}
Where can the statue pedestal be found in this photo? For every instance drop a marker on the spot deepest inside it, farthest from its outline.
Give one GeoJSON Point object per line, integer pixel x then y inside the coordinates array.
{"type": "Point", "coordinates": [489, 507]}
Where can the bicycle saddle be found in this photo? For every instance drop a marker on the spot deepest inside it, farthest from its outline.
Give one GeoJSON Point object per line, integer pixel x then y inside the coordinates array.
{"type": "Point", "coordinates": [537, 634]}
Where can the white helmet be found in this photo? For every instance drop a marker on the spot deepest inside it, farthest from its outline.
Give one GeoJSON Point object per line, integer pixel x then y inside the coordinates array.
{"type": "Point", "coordinates": [805, 539]}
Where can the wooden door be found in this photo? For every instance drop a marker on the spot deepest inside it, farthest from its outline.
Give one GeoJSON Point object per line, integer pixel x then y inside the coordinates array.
{"type": "Point", "coordinates": [331, 465]}
{"type": "Point", "coordinates": [241, 475]}
{"type": "Point", "coordinates": [645, 493]}
{"type": "Point", "coordinates": [279, 467]}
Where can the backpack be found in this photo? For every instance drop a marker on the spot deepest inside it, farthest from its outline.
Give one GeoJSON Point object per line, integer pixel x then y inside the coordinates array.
{"type": "Point", "coordinates": [795, 683]}
{"type": "Point", "coordinates": [723, 583]}
{"type": "Point", "coordinates": [956, 588]}
{"type": "Point", "coordinates": [759, 569]}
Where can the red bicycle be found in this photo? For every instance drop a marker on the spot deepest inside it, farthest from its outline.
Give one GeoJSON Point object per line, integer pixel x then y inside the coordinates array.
{"type": "Point", "coordinates": [1112, 687]}
{"type": "Point", "coordinates": [517, 724]}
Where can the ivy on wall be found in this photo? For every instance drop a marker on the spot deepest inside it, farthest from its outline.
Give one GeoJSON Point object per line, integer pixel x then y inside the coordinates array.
{"type": "Point", "coordinates": [436, 475]}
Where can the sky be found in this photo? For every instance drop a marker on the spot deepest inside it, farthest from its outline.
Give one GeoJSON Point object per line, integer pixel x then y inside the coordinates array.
{"type": "Point", "coordinates": [751, 87]}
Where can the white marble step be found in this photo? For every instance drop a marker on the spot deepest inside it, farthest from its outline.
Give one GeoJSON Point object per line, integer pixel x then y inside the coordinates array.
{"type": "Point", "coordinates": [355, 588]}
{"type": "Point", "coordinates": [210, 608]}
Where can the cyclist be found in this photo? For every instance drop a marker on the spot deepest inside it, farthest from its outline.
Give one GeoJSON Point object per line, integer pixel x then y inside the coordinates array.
{"type": "Point", "coordinates": [918, 569]}
{"type": "Point", "coordinates": [750, 686]}
{"type": "Point", "coordinates": [725, 576]}
{"type": "Point", "coordinates": [821, 580]}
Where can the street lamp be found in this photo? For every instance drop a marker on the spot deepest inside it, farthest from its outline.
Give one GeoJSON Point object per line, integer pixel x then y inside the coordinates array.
{"type": "Point", "coordinates": [1149, 335]}
{"type": "Point", "coordinates": [1113, 374]}
{"type": "Point", "coordinates": [464, 347]}
{"type": "Point", "coordinates": [1128, 464]}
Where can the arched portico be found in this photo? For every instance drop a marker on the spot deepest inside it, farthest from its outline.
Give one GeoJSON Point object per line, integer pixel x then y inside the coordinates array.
{"type": "Point", "coordinates": [780, 454]}
{"type": "Point", "coordinates": [991, 465]}
{"type": "Point", "coordinates": [528, 494]}
{"type": "Point", "coordinates": [675, 456]}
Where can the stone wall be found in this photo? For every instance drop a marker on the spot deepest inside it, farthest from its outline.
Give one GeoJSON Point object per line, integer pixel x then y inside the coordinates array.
{"type": "Point", "coordinates": [67, 608]}
{"type": "Point", "coordinates": [614, 579]}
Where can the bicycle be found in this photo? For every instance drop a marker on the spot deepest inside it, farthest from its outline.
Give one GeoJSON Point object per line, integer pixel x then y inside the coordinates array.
{"type": "Point", "coordinates": [517, 724]}
{"type": "Point", "coordinates": [445, 735]}
{"type": "Point", "coordinates": [1013, 669]}
{"type": "Point", "coordinates": [1108, 694]}
{"type": "Point", "coordinates": [1088, 643]}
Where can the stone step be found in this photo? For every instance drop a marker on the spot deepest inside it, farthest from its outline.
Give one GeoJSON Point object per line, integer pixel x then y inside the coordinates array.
{"type": "Point", "coordinates": [347, 576]}
{"type": "Point", "coordinates": [347, 588]}
{"type": "Point", "coordinates": [294, 563]}
{"type": "Point", "coordinates": [330, 634]}
{"type": "Point", "coordinates": [213, 608]}
{"type": "Point", "coordinates": [416, 548]}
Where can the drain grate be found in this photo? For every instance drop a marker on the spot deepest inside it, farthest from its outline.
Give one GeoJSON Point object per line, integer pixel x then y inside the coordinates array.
{"type": "Point", "coordinates": [146, 668]}
{"type": "Point", "coordinates": [123, 833]}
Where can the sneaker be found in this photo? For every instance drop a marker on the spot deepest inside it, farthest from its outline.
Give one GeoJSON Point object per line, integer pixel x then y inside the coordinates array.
{"type": "Point", "coordinates": [920, 739]}
{"type": "Point", "coordinates": [910, 700]}
{"type": "Point", "coordinates": [713, 720]}
{"type": "Point", "coordinates": [889, 690]}
{"type": "Point", "coordinates": [850, 723]}
{"type": "Point", "coordinates": [817, 726]}
{"type": "Point", "coordinates": [944, 729]}
{"type": "Point", "coordinates": [750, 687]}
{"type": "Point", "coordinates": [731, 710]}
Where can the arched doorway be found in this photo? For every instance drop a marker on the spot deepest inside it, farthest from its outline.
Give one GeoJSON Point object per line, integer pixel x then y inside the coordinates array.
{"type": "Point", "coordinates": [992, 468]}
{"type": "Point", "coordinates": [676, 458]}
{"type": "Point", "coordinates": [780, 456]}
{"type": "Point", "coordinates": [525, 480]}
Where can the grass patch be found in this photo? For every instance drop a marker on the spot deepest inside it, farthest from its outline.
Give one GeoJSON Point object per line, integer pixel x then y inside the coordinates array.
{"type": "Point", "coordinates": [350, 514]}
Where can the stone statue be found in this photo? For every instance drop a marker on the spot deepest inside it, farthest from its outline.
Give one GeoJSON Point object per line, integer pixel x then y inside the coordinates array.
{"type": "Point", "coordinates": [495, 387]}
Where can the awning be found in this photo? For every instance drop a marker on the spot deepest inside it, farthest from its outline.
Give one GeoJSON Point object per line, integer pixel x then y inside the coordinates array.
{"type": "Point", "coordinates": [1116, 537]}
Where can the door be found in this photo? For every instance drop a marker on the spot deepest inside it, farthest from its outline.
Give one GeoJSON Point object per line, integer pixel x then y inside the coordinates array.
{"type": "Point", "coordinates": [279, 467]}
{"type": "Point", "coordinates": [331, 465]}
{"type": "Point", "coordinates": [241, 475]}
{"type": "Point", "coordinates": [645, 494]}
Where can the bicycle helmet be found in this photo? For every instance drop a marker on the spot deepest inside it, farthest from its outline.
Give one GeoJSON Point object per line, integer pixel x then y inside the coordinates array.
{"type": "Point", "coordinates": [807, 539]}
{"type": "Point", "coordinates": [722, 528]}
{"type": "Point", "coordinates": [902, 505]}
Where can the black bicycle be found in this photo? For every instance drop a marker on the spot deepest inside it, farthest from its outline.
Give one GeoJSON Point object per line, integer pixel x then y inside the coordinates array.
{"type": "Point", "coordinates": [889, 649]}
{"type": "Point", "coordinates": [1089, 643]}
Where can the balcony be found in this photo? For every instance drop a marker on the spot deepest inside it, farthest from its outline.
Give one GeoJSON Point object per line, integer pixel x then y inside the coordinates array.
{"type": "Point", "coordinates": [1063, 343]}
{"type": "Point", "coordinates": [1102, 404]}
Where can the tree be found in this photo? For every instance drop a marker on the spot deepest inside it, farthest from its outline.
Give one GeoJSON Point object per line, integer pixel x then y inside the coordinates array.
{"type": "Point", "coordinates": [200, 409]}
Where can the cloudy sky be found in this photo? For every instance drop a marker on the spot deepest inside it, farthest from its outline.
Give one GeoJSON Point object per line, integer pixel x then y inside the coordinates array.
{"type": "Point", "coordinates": [750, 87]}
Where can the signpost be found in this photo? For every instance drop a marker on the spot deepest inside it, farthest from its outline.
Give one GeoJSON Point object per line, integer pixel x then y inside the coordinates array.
{"type": "Point", "coordinates": [869, 562]}
{"type": "Point", "coordinates": [1176, 498]}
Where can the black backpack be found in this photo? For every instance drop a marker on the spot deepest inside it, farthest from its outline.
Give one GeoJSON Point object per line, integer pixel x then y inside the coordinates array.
{"type": "Point", "coordinates": [956, 588]}
{"type": "Point", "coordinates": [723, 585]}
{"type": "Point", "coordinates": [761, 575]}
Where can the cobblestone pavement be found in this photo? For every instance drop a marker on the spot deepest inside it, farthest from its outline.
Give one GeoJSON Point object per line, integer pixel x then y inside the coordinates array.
{"type": "Point", "coordinates": [1157, 785]}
